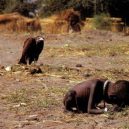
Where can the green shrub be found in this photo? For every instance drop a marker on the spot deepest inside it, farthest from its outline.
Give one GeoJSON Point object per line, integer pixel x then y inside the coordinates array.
{"type": "Point", "coordinates": [10, 5]}
{"type": "Point", "coordinates": [102, 21]}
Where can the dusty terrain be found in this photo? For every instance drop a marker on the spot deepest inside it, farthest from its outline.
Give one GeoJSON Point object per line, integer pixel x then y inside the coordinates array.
{"type": "Point", "coordinates": [34, 101]}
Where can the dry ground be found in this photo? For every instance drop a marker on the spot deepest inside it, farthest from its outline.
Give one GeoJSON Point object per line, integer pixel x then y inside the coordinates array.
{"type": "Point", "coordinates": [35, 101]}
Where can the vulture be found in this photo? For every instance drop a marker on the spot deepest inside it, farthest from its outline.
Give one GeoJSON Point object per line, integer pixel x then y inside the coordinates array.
{"type": "Point", "coordinates": [32, 48]}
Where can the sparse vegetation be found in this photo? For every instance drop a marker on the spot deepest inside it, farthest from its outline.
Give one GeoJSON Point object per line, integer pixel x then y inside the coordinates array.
{"type": "Point", "coordinates": [89, 50]}
{"type": "Point", "coordinates": [35, 100]}
{"type": "Point", "coordinates": [16, 23]}
{"type": "Point", "coordinates": [67, 59]}
{"type": "Point", "coordinates": [102, 21]}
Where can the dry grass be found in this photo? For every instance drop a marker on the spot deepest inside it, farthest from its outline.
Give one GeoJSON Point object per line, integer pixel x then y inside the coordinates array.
{"type": "Point", "coordinates": [89, 50]}
{"type": "Point", "coordinates": [59, 23]}
{"type": "Point", "coordinates": [40, 95]}
{"type": "Point", "coordinates": [25, 101]}
{"type": "Point", "coordinates": [48, 24]}
{"type": "Point", "coordinates": [18, 23]}
{"type": "Point", "coordinates": [35, 99]}
{"type": "Point", "coordinates": [51, 26]}
{"type": "Point", "coordinates": [74, 73]}
{"type": "Point", "coordinates": [116, 24]}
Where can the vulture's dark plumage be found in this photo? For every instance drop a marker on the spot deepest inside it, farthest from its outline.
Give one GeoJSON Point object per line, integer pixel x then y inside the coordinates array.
{"type": "Point", "coordinates": [31, 49]}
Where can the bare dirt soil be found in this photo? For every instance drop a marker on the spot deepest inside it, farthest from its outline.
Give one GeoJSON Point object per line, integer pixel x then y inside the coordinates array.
{"type": "Point", "coordinates": [34, 101]}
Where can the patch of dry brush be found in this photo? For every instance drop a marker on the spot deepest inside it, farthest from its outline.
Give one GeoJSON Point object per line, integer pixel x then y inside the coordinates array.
{"type": "Point", "coordinates": [63, 22]}
{"type": "Point", "coordinates": [18, 23]}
